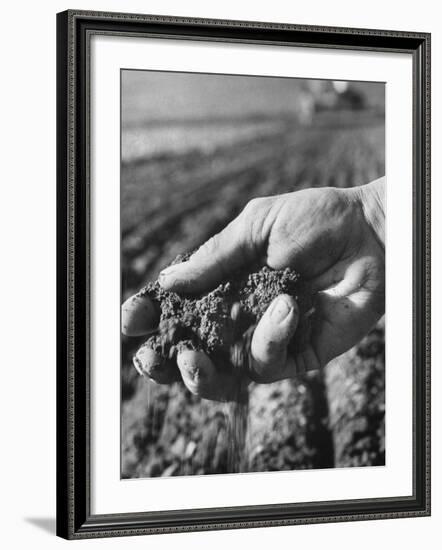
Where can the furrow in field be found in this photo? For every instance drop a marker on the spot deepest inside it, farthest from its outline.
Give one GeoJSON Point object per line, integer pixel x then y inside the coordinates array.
{"type": "Point", "coordinates": [198, 185]}
{"type": "Point", "coordinates": [191, 175]}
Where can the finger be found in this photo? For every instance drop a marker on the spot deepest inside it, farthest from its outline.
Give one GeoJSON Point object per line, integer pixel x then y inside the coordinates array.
{"type": "Point", "coordinates": [270, 359]}
{"type": "Point", "coordinates": [159, 369]}
{"type": "Point", "coordinates": [139, 316]}
{"type": "Point", "coordinates": [202, 378]}
{"type": "Point", "coordinates": [329, 278]}
{"type": "Point", "coordinates": [342, 322]}
{"type": "Point", "coordinates": [342, 279]}
{"type": "Point", "coordinates": [213, 262]}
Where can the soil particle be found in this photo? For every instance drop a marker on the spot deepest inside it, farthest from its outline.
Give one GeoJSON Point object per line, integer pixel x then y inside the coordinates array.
{"type": "Point", "coordinates": [221, 322]}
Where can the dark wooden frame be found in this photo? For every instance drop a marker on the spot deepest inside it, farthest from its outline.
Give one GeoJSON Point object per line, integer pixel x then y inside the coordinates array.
{"type": "Point", "coordinates": [74, 519]}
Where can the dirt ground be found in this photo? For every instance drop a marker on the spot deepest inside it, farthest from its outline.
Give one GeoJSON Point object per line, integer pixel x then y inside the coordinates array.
{"type": "Point", "coordinates": [171, 203]}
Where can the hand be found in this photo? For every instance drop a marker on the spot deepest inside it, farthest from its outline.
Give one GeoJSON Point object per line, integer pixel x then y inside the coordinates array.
{"type": "Point", "coordinates": [333, 237]}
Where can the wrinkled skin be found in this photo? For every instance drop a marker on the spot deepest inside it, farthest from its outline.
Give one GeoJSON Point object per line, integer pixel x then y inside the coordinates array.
{"type": "Point", "coordinates": [331, 237]}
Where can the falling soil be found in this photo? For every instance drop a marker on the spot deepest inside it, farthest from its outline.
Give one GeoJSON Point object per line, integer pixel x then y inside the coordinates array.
{"type": "Point", "coordinates": [221, 324]}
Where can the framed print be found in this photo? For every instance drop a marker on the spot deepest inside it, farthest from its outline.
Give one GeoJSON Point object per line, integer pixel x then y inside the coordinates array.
{"type": "Point", "coordinates": [243, 274]}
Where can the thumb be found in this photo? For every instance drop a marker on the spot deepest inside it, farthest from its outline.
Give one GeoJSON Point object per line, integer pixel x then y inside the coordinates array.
{"type": "Point", "coordinates": [270, 360]}
{"type": "Point", "coordinates": [213, 262]}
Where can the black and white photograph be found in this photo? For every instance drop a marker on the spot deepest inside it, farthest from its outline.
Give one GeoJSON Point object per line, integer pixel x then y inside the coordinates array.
{"type": "Point", "coordinates": [252, 218]}
{"type": "Point", "coordinates": [219, 284]}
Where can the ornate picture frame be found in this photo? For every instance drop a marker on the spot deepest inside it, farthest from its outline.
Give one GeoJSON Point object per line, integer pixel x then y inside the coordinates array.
{"type": "Point", "coordinates": [75, 519]}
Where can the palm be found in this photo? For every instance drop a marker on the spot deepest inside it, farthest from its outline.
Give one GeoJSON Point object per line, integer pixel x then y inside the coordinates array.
{"type": "Point", "coordinates": [328, 241]}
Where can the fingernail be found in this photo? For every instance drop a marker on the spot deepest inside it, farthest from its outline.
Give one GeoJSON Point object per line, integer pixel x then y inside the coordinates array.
{"type": "Point", "coordinates": [146, 360]}
{"type": "Point", "coordinates": [139, 314]}
{"type": "Point", "coordinates": [137, 364]}
{"type": "Point", "coordinates": [164, 277]}
{"type": "Point", "coordinates": [167, 271]}
{"type": "Point", "coordinates": [280, 310]}
{"type": "Point", "coordinates": [166, 274]}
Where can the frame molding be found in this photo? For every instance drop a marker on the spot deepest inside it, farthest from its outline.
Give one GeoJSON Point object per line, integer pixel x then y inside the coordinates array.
{"type": "Point", "coordinates": [74, 29]}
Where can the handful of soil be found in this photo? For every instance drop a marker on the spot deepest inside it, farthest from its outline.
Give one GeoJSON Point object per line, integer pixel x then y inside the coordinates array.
{"type": "Point", "coordinates": [221, 322]}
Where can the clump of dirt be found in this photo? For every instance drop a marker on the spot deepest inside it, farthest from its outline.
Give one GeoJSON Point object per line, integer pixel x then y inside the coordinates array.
{"type": "Point", "coordinates": [221, 322]}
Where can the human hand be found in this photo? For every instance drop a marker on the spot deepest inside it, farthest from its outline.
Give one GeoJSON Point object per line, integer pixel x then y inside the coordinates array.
{"type": "Point", "coordinates": [333, 237]}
